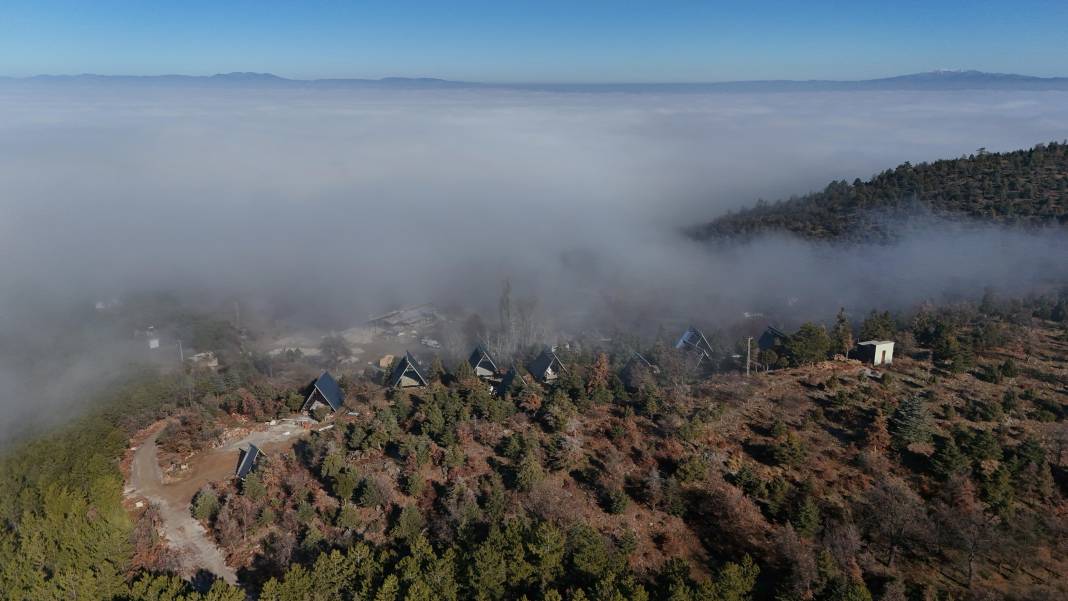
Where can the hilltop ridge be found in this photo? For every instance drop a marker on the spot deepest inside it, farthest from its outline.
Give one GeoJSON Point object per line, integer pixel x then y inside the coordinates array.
{"type": "Point", "coordinates": [938, 80]}
{"type": "Point", "coordinates": [1023, 187]}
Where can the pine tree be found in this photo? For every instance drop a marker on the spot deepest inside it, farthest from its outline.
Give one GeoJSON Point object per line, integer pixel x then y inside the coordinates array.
{"type": "Point", "coordinates": [206, 505]}
{"type": "Point", "coordinates": [437, 369]}
{"type": "Point", "coordinates": [253, 488]}
{"type": "Point", "coordinates": [1060, 311]}
{"type": "Point", "coordinates": [389, 590]}
{"type": "Point", "coordinates": [529, 473]}
{"type": "Point", "coordinates": [547, 546]}
{"type": "Point", "coordinates": [841, 334]}
{"type": "Point", "coordinates": [806, 518]}
{"type": "Point", "coordinates": [344, 484]}
{"type": "Point", "coordinates": [878, 326]}
{"type": "Point", "coordinates": [487, 573]}
{"type": "Point", "coordinates": [464, 372]}
{"type": "Point", "coordinates": [909, 423]}
{"type": "Point", "coordinates": [597, 380]}
{"type": "Point", "coordinates": [809, 344]}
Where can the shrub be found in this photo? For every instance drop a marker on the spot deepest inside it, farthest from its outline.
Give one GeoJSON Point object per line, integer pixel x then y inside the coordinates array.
{"type": "Point", "coordinates": [206, 505]}
{"type": "Point", "coordinates": [790, 451]}
{"type": "Point", "coordinates": [615, 501]}
{"type": "Point", "coordinates": [693, 469]}
{"type": "Point", "coordinates": [370, 494]}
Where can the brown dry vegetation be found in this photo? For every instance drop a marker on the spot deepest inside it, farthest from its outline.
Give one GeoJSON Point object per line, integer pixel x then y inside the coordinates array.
{"type": "Point", "coordinates": [813, 471]}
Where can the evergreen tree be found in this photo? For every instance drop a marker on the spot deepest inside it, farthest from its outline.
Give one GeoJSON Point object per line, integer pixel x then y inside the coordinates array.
{"type": "Point", "coordinates": [841, 334]}
{"type": "Point", "coordinates": [206, 505]}
{"type": "Point", "coordinates": [1060, 311]}
{"type": "Point", "coordinates": [878, 326]}
{"type": "Point", "coordinates": [529, 472]}
{"type": "Point", "coordinates": [464, 372]}
{"type": "Point", "coordinates": [546, 547]}
{"type": "Point", "coordinates": [948, 460]}
{"type": "Point", "coordinates": [253, 488]}
{"type": "Point", "coordinates": [809, 344]}
{"type": "Point", "coordinates": [344, 484]}
{"type": "Point", "coordinates": [806, 517]}
{"type": "Point", "coordinates": [909, 423]}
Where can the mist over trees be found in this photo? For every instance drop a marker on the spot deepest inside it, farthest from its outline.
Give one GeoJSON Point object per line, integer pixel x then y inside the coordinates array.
{"type": "Point", "coordinates": [1023, 187]}
{"type": "Point", "coordinates": [543, 219]}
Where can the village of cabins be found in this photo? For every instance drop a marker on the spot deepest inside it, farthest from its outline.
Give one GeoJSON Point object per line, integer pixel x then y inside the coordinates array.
{"type": "Point", "coordinates": [324, 394]}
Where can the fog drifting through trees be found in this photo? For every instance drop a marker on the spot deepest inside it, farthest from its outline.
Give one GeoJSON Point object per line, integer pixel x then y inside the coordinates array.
{"type": "Point", "coordinates": [330, 205]}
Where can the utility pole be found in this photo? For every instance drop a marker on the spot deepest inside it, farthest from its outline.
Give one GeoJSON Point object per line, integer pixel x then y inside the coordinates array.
{"type": "Point", "coordinates": [181, 353]}
{"type": "Point", "coordinates": [748, 351]}
{"type": "Point", "coordinates": [237, 316]}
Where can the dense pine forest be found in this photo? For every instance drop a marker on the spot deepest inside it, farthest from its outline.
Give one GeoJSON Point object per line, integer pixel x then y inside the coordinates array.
{"type": "Point", "coordinates": [1024, 187]}
{"type": "Point", "coordinates": [942, 477]}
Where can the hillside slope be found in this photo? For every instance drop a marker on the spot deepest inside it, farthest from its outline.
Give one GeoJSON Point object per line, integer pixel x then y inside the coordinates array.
{"type": "Point", "coordinates": [1026, 187]}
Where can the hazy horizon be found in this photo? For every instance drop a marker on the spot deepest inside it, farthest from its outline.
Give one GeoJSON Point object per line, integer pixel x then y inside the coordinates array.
{"type": "Point", "coordinates": [322, 207]}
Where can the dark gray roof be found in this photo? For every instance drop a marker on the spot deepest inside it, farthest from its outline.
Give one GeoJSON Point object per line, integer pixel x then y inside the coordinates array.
{"type": "Point", "coordinates": [771, 338]}
{"type": "Point", "coordinates": [330, 391]}
{"type": "Point", "coordinates": [510, 379]}
{"type": "Point", "coordinates": [482, 356]}
{"type": "Point", "coordinates": [247, 462]}
{"type": "Point", "coordinates": [544, 361]}
{"type": "Point", "coordinates": [693, 338]}
{"type": "Point", "coordinates": [628, 374]}
{"type": "Point", "coordinates": [637, 358]}
{"type": "Point", "coordinates": [406, 366]}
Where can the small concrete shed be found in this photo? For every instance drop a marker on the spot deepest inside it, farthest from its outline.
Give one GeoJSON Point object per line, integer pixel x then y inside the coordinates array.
{"type": "Point", "coordinates": [876, 352]}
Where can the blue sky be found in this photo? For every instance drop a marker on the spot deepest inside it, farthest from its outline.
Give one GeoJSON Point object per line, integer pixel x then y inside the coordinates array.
{"type": "Point", "coordinates": [502, 41]}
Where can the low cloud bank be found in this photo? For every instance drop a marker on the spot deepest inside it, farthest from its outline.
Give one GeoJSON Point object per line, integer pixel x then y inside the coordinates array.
{"type": "Point", "coordinates": [331, 205]}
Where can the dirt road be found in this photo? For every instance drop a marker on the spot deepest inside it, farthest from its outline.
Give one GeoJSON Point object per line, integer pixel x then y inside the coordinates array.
{"type": "Point", "coordinates": [196, 548]}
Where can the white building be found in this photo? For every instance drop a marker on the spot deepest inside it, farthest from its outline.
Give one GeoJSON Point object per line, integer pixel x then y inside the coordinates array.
{"type": "Point", "coordinates": [876, 352]}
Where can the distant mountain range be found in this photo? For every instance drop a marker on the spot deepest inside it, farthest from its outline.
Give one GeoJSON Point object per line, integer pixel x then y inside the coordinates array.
{"type": "Point", "coordinates": [941, 80]}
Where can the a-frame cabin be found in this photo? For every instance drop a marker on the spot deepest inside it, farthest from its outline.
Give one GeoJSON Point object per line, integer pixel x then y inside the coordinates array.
{"type": "Point", "coordinates": [482, 363]}
{"type": "Point", "coordinates": [406, 373]}
{"type": "Point", "coordinates": [547, 367]}
{"type": "Point", "coordinates": [694, 340]}
{"type": "Point", "coordinates": [771, 338]}
{"type": "Point", "coordinates": [512, 380]}
{"type": "Point", "coordinates": [325, 391]}
{"type": "Point", "coordinates": [247, 461]}
{"type": "Point", "coordinates": [636, 366]}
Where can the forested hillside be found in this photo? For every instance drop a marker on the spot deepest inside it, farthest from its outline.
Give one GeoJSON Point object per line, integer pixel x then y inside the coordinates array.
{"type": "Point", "coordinates": [1028, 187]}
{"type": "Point", "coordinates": [942, 477]}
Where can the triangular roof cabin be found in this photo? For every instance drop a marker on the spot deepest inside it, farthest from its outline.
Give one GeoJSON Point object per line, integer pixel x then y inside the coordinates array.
{"type": "Point", "coordinates": [247, 462]}
{"type": "Point", "coordinates": [547, 367]}
{"type": "Point", "coordinates": [771, 338]}
{"type": "Point", "coordinates": [406, 373]}
{"type": "Point", "coordinates": [483, 364]}
{"type": "Point", "coordinates": [324, 391]}
{"type": "Point", "coordinates": [511, 379]}
{"type": "Point", "coordinates": [693, 339]}
{"type": "Point", "coordinates": [631, 370]}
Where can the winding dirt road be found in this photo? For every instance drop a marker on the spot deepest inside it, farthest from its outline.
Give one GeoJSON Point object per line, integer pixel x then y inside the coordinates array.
{"type": "Point", "coordinates": [197, 551]}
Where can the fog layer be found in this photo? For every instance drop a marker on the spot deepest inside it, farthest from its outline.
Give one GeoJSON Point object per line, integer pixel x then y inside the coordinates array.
{"type": "Point", "coordinates": [332, 205]}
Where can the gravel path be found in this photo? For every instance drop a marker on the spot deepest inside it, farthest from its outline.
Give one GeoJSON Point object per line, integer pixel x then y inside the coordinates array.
{"type": "Point", "coordinates": [196, 549]}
